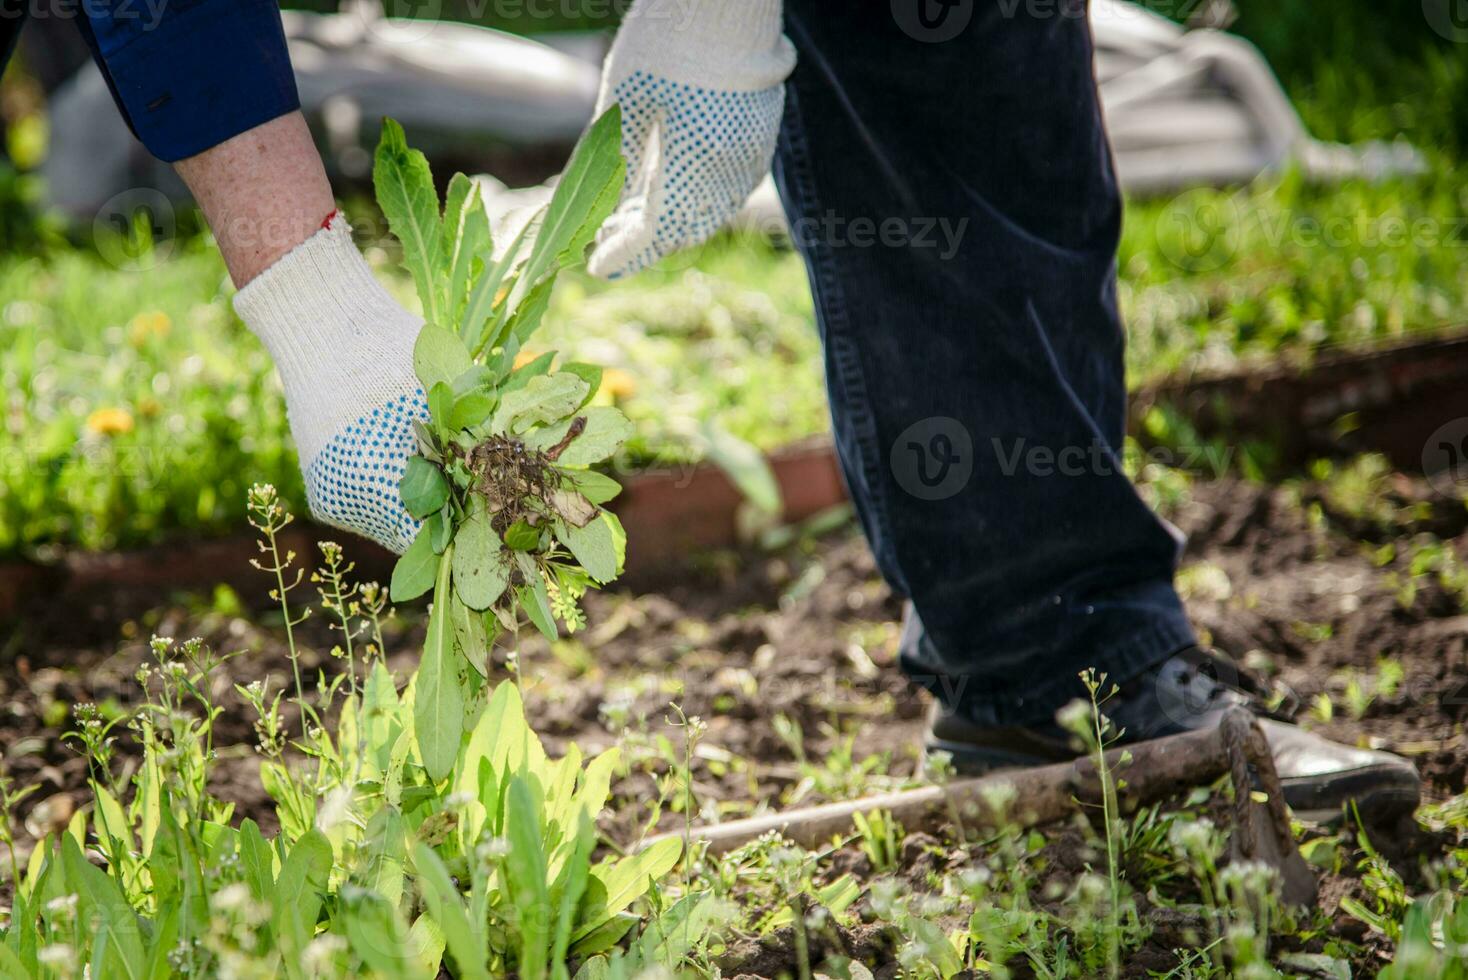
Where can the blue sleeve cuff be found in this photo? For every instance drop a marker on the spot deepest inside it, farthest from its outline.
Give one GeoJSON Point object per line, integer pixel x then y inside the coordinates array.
{"type": "Point", "coordinates": [198, 72]}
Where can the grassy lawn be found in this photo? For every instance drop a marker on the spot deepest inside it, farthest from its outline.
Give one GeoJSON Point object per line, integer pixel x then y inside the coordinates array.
{"type": "Point", "coordinates": [138, 405]}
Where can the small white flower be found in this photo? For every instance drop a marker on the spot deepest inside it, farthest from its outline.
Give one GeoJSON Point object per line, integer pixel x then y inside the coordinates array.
{"type": "Point", "coordinates": [1191, 837]}
{"type": "Point", "coordinates": [1091, 888]}
{"type": "Point", "coordinates": [998, 796]}
{"type": "Point", "coordinates": [58, 956]}
{"type": "Point", "coordinates": [1075, 717]}
{"type": "Point", "coordinates": [493, 849]}
{"type": "Point", "coordinates": [232, 897]}
{"type": "Point", "coordinates": [65, 905]}
{"type": "Point", "coordinates": [321, 952]}
{"type": "Point", "coordinates": [973, 879]}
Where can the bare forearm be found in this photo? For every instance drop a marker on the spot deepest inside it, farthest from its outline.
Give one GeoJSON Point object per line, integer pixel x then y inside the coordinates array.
{"type": "Point", "coordinates": [263, 193]}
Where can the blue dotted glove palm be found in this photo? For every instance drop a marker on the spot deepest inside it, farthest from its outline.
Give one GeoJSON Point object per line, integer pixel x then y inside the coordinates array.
{"type": "Point", "coordinates": [344, 349]}
{"type": "Point", "coordinates": [701, 86]}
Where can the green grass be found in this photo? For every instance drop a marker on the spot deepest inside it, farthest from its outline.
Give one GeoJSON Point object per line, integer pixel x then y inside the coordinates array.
{"type": "Point", "coordinates": [728, 339]}
{"type": "Point", "coordinates": [1213, 277]}
{"type": "Point", "coordinates": [724, 337]}
{"type": "Point", "coordinates": [184, 410]}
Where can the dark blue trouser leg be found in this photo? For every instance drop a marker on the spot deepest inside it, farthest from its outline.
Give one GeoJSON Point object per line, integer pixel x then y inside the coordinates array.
{"type": "Point", "coordinates": [955, 203]}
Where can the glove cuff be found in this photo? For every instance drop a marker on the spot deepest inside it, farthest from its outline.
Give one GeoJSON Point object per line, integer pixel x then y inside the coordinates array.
{"type": "Point", "coordinates": [338, 339]}
{"type": "Point", "coordinates": [729, 45]}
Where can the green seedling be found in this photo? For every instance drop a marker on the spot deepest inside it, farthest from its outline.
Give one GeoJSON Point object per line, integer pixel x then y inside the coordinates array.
{"type": "Point", "coordinates": [881, 839]}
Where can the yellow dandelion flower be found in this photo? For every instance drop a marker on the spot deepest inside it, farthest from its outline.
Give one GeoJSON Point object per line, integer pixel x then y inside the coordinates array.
{"type": "Point", "coordinates": [110, 421]}
{"type": "Point", "coordinates": [524, 357]}
{"type": "Point", "coordinates": [618, 383]}
{"type": "Point", "coordinates": [154, 323]}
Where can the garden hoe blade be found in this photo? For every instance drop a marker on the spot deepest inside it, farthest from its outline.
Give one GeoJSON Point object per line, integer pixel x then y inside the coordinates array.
{"type": "Point", "coordinates": [1159, 769]}
{"type": "Point", "coordinates": [1261, 830]}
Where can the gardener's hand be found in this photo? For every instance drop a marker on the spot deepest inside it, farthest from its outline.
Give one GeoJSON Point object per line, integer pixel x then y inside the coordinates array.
{"type": "Point", "coordinates": [700, 83]}
{"type": "Point", "coordinates": [344, 349]}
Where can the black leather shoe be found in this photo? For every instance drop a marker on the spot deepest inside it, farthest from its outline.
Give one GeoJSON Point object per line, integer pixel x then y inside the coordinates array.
{"type": "Point", "coordinates": [1190, 691]}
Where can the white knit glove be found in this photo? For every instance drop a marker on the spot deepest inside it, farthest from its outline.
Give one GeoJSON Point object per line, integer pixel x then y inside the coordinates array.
{"type": "Point", "coordinates": [344, 349]}
{"type": "Point", "coordinates": [700, 83]}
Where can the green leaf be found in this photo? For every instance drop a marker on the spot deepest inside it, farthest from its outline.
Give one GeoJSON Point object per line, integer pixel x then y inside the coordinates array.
{"type": "Point", "coordinates": [297, 899]}
{"type": "Point", "coordinates": [484, 292]}
{"type": "Point", "coordinates": [11, 966]}
{"type": "Point", "coordinates": [502, 741]}
{"type": "Point", "coordinates": [520, 536]}
{"type": "Point", "coordinates": [114, 833]}
{"type": "Point", "coordinates": [626, 880]}
{"type": "Point", "coordinates": [534, 597]}
{"type": "Point", "coordinates": [526, 867]}
{"type": "Point", "coordinates": [456, 204]}
{"type": "Point", "coordinates": [466, 239]}
{"type": "Point", "coordinates": [585, 197]}
{"type": "Point", "coordinates": [471, 409]}
{"type": "Point", "coordinates": [606, 429]}
{"type": "Point", "coordinates": [384, 854]}
{"type": "Point", "coordinates": [441, 529]}
{"type": "Point", "coordinates": [426, 440]}
{"type": "Point", "coordinates": [257, 862]}
{"type": "Point", "coordinates": [746, 468]}
{"type": "Point", "coordinates": [595, 487]}
{"type": "Point", "coordinates": [414, 573]}
{"type": "Point", "coordinates": [547, 398]}
{"type": "Point", "coordinates": [440, 405]}
{"type": "Point", "coordinates": [609, 933]}
{"type": "Point", "coordinates": [406, 195]}
{"type": "Point", "coordinates": [471, 635]}
{"type": "Point", "coordinates": [425, 943]}
{"type": "Point", "coordinates": [164, 941]}
{"type": "Point", "coordinates": [439, 356]}
{"type": "Point", "coordinates": [596, 783]}
{"type": "Point", "coordinates": [376, 933]}
{"type": "Point", "coordinates": [528, 316]}
{"type": "Point", "coordinates": [423, 488]}
{"type": "Point", "coordinates": [589, 373]}
{"type": "Point", "coordinates": [464, 941]}
{"type": "Point", "coordinates": [481, 568]}
{"type": "Point", "coordinates": [115, 933]}
{"type": "Point", "coordinates": [619, 538]}
{"type": "Point", "coordinates": [438, 706]}
{"type": "Point", "coordinates": [594, 546]}
{"type": "Point", "coordinates": [523, 374]}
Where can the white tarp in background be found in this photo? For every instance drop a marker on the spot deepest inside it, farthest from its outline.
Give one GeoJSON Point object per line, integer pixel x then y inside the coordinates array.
{"type": "Point", "coordinates": [1183, 107]}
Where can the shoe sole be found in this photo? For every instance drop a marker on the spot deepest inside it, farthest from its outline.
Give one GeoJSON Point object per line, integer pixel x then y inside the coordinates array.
{"type": "Point", "coordinates": [1381, 794]}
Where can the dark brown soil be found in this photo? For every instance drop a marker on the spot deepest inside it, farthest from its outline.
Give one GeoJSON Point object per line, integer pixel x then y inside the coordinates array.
{"type": "Point", "coordinates": [1292, 584]}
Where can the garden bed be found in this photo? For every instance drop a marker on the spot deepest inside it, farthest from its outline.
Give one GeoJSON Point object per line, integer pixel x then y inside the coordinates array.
{"type": "Point", "coordinates": [1346, 589]}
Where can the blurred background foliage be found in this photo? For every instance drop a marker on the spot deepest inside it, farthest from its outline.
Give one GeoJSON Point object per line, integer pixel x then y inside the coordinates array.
{"type": "Point", "coordinates": [136, 406]}
{"type": "Point", "coordinates": [1358, 69]}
